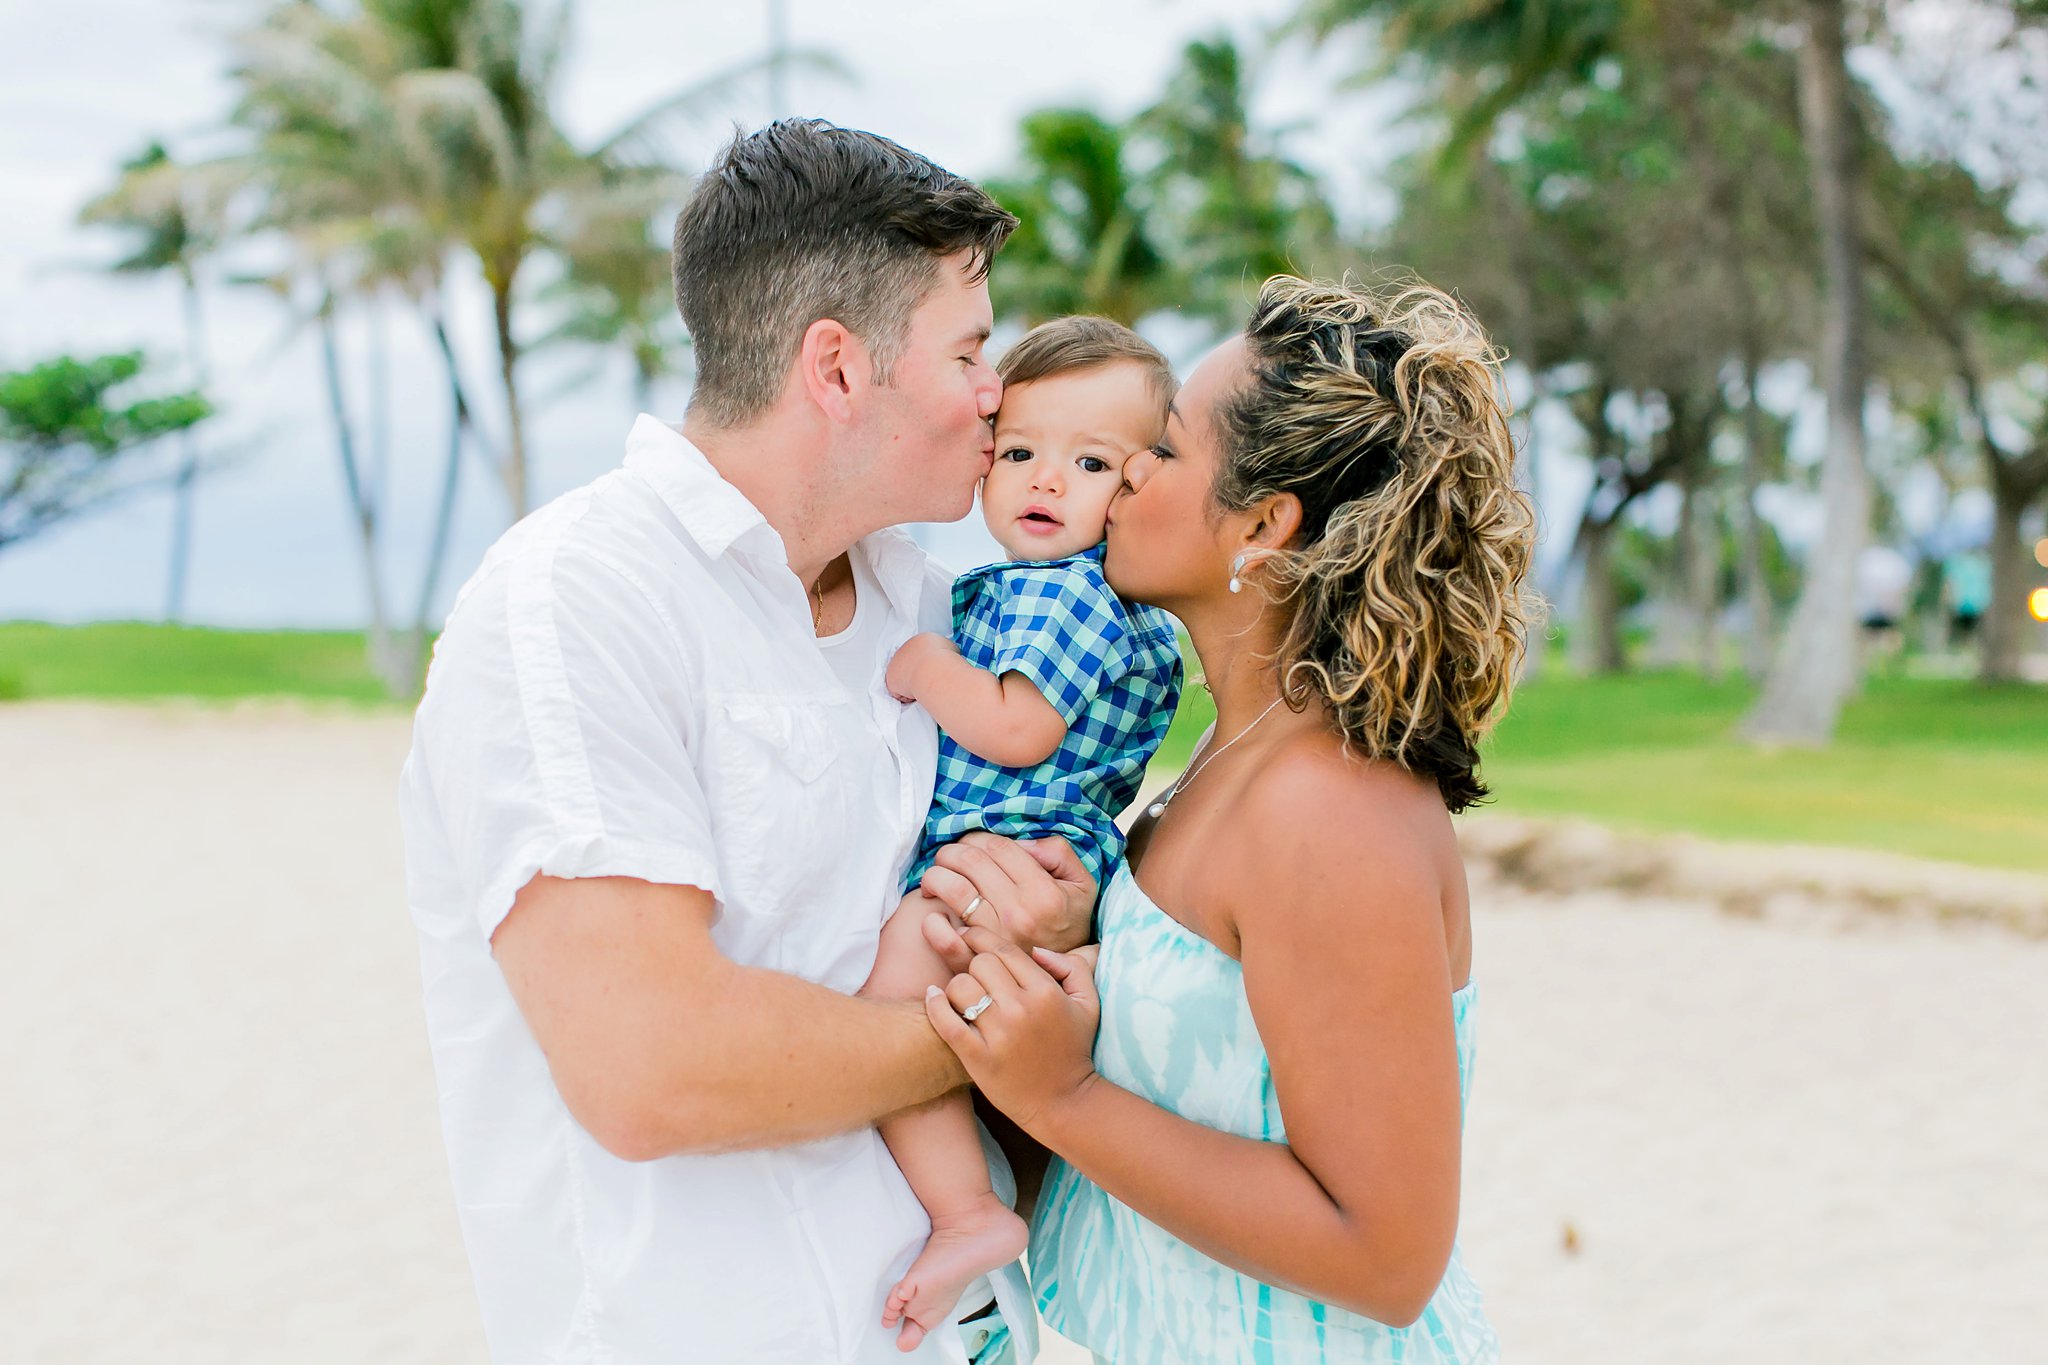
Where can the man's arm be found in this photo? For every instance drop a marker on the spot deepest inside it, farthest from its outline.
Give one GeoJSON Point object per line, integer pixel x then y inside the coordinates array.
{"type": "Point", "coordinates": [660, 1044]}
{"type": "Point", "coordinates": [1004, 719]}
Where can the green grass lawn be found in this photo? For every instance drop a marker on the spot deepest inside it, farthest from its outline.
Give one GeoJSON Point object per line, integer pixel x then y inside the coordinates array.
{"type": "Point", "coordinates": [1935, 768]}
{"type": "Point", "coordinates": [1938, 769]}
{"type": "Point", "coordinates": [132, 660]}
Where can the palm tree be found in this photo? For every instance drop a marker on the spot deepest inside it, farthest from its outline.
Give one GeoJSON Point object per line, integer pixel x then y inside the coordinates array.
{"type": "Point", "coordinates": [1817, 665]}
{"type": "Point", "coordinates": [1235, 209]}
{"type": "Point", "coordinates": [173, 214]}
{"type": "Point", "coordinates": [387, 140]}
{"type": "Point", "coordinates": [458, 96]}
{"type": "Point", "coordinates": [1502, 52]}
{"type": "Point", "coordinates": [1081, 244]}
{"type": "Point", "coordinates": [616, 285]}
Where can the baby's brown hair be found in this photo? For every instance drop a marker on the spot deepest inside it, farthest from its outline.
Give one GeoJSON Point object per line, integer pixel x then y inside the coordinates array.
{"type": "Point", "coordinates": [1080, 342]}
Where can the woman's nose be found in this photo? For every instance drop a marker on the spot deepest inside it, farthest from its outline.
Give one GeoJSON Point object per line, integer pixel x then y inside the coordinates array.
{"type": "Point", "coordinates": [1138, 468]}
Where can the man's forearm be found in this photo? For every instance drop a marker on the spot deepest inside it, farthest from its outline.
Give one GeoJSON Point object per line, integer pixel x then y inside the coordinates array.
{"type": "Point", "coordinates": [658, 1043]}
{"type": "Point", "coordinates": [776, 1060]}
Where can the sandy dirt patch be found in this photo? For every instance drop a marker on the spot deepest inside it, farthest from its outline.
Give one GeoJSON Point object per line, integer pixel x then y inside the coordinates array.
{"type": "Point", "coordinates": [1774, 1138]}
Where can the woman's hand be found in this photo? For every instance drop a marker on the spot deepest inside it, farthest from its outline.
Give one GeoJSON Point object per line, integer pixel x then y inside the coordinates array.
{"type": "Point", "coordinates": [1030, 1049]}
{"type": "Point", "coordinates": [1033, 892]}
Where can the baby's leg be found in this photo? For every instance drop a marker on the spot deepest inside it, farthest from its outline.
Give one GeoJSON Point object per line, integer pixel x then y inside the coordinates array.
{"type": "Point", "coordinates": [939, 1150]}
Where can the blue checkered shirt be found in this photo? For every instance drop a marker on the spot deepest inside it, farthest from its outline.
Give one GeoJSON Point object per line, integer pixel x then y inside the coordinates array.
{"type": "Point", "coordinates": [1110, 669]}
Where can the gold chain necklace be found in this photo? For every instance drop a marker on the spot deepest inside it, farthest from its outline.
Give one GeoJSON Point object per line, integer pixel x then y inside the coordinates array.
{"type": "Point", "coordinates": [1158, 808]}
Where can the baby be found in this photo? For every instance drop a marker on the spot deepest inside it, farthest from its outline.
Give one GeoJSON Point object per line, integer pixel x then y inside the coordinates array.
{"type": "Point", "coordinates": [1051, 697]}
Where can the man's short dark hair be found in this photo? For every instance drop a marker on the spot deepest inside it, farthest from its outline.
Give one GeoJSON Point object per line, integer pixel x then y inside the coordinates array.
{"type": "Point", "coordinates": [805, 220]}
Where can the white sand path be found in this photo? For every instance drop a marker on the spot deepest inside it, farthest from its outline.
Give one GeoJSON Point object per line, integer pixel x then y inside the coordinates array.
{"type": "Point", "coordinates": [1773, 1141]}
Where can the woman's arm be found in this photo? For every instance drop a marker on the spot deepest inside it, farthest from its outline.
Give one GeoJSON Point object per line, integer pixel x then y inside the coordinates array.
{"type": "Point", "coordinates": [1004, 719]}
{"type": "Point", "coordinates": [1349, 983]}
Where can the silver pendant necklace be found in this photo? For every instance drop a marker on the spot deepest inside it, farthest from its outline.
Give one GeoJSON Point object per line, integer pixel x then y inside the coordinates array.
{"type": "Point", "coordinates": [1158, 808]}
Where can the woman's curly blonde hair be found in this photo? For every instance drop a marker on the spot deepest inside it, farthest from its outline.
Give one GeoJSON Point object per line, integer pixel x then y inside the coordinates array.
{"type": "Point", "coordinates": [1383, 411]}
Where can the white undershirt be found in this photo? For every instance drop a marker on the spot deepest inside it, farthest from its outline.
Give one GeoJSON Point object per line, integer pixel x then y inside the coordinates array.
{"type": "Point", "coordinates": [852, 652]}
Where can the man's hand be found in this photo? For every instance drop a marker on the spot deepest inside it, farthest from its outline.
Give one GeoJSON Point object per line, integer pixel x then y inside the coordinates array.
{"type": "Point", "coordinates": [906, 679]}
{"type": "Point", "coordinates": [1034, 892]}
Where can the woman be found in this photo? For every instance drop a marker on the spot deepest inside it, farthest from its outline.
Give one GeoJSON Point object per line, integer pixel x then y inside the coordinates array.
{"type": "Point", "coordinates": [1258, 1156]}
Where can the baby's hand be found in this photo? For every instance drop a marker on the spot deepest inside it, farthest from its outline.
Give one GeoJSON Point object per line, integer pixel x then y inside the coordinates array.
{"type": "Point", "coordinates": [905, 676]}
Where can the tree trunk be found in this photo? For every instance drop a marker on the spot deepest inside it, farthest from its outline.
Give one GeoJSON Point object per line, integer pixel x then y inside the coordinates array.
{"type": "Point", "coordinates": [1704, 585]}
{"type": "Point", "coordinates": [1698, 580]}
{"type": "Point", "coordinates": [1676, 642]}
{"type": "Point", "coordinates": [380, 393]}
{"type": "Point", "coordinates": [188, 468]}
{"type": "Point", "coordinates": [1756, 583]}
{"type": "Point", "coordinates": [362, 507]}
{"type": "Point", "coordinates": [514, 469]}
{"type": "Point", "coordinates": [1817, 664]}
{"type": "Point", "coordinates": [444, 510]}
{"type": "Point", "coordinates": [1600, 647]}
{"type": "Point", "coordinates": [2007, 623]}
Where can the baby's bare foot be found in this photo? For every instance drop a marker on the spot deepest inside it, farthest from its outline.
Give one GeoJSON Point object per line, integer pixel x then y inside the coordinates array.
{"type": "Point", "coordinates": [964, 1246]}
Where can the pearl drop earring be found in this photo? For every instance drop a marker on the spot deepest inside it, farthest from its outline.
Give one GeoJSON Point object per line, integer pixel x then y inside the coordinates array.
{"type": "Point", "coordinates": [1236, 568]}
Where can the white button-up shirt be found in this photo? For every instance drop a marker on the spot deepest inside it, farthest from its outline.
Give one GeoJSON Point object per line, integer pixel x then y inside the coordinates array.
{"type": "Point", "coordinates": [631, 686]}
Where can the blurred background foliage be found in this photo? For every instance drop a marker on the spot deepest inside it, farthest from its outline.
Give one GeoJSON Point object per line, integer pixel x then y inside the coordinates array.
{"type": "Point", "coordinates": [1772, 274]}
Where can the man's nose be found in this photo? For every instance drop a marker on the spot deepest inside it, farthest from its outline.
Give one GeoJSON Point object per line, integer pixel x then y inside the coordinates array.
{"type": "Point", "coordinates": [990, 396]}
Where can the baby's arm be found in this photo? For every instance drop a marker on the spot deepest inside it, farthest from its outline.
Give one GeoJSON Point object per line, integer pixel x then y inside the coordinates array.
{"type": "Point", "coordinates": [1005, 719]}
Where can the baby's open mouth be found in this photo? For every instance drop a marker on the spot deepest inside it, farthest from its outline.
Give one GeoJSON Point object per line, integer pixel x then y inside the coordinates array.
{"type": "Point", "coordinates": [1040, 518]}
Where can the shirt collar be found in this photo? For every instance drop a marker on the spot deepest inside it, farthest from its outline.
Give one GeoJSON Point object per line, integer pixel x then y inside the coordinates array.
{"type": "Point", "coordinates": [1092, 553]}
{"type": "Point", "coordinates": [716, 514]}
{"type": "Point", "coordinates": [899, 565]}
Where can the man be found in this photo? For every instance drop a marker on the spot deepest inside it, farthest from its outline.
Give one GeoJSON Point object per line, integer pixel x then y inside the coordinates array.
{"type": "Point", "coordinates": [659, 801]}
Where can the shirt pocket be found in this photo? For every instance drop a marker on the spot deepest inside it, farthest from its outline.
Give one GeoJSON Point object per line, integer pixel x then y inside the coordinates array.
{"type": "Point", "coordinates": [779, 795]}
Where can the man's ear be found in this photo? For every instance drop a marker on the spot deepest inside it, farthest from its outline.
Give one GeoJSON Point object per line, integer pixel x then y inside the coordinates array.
{"type": "Point", "coordinates": [833, 367]}
{"type": "Point", "coordinates": [1275, 522]}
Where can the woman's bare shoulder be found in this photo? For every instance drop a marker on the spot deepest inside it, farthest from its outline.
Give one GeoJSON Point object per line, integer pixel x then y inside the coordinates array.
{"type": "Point", "coordinates": [1328, 826]}
{"type": "Point", "coordinates": [1315, 779]}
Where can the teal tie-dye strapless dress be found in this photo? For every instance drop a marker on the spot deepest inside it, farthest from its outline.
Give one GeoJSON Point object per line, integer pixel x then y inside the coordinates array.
{"type": "Point", "coordinates": [1176, 1030]}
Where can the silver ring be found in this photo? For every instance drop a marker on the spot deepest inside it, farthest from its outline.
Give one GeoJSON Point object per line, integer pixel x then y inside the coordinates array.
{"type": "Point", "coordinates": [972, 906]}
{"type": "Point", "coordinates": [977, 1009]}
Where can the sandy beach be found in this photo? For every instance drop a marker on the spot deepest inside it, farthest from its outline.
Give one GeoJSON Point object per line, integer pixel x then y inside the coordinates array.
{"type": "Point", "coordinates": [1695, 1136]}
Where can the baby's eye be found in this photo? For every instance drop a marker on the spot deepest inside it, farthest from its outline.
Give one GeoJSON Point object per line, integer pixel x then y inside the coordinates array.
{"type": "Point", "coordinates": [1015, 455]}
{"type": "Point", "coordinates": [1091, 464]}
